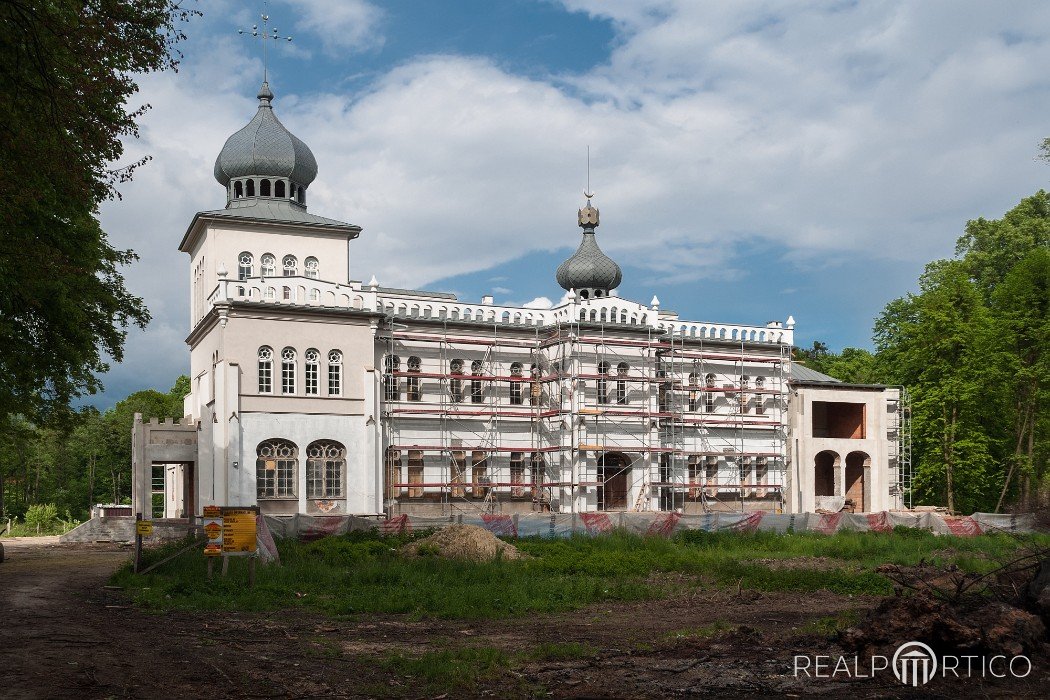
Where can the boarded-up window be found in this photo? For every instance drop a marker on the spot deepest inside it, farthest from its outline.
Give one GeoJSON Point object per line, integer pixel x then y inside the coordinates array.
{"type": "Point", "coordinates": [458, 467]}
{"type": "Point", "coordinates": [517, 474]}
{"type": "Point", "coordinates": [415, 473]}
{"type": "Point", "coordinates": [835, 419]}
{"type": "Point", "coordinates": [479, 472]}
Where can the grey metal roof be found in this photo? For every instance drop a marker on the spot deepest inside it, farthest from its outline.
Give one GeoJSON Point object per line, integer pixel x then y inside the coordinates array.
{"type": "Point", "coordinates": [418, 293]}
{"type": "Point", "coordinates": [801, 373]}
{"type": "Point", "coordinates": [274, 210]}
{"type": "Point", "coordinates": [265, 147]}
{"type": "Point", "coordinates": [589, 267]}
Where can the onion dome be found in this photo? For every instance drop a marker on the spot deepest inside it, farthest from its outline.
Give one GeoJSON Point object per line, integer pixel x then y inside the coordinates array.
{"type": "Point", "coordinates": [265, 160]}
{"type": "Point", "coordinates": [589, 271]}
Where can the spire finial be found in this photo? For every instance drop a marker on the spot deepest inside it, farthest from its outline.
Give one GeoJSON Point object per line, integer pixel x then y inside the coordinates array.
{"type": "Point", "coordinates": [264, 34]}
{"type": "Point", "coordinates": [587, 192]}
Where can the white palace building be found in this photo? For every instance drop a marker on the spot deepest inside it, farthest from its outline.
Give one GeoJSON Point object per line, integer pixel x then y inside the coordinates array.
{"type": "Point", "coordinates": [316, 393]}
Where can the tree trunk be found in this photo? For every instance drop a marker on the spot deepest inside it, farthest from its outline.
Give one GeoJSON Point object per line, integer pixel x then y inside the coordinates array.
{"type": "Point", "coordinates": [949, 459]}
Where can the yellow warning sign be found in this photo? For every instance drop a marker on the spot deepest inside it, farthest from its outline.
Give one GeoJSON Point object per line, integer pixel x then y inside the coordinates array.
{"type": "Point", "coordinates": [212, 512]}
{"type": "Point", "coordinates": [238, 530]}
{"type": "Point", "coordinates": [144, 527]}
{"type": "Point", "coordinates": [213, 530]}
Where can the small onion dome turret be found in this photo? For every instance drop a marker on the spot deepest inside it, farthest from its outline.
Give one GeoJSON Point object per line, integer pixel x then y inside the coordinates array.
{"type": "Point", "coordinates": [589, 271]}
{"type": "Point", "coordinates": [264, 153]}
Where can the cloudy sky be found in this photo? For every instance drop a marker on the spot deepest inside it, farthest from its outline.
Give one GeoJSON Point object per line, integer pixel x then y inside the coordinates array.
{"type": "Point", "coordinates": [752, 160]}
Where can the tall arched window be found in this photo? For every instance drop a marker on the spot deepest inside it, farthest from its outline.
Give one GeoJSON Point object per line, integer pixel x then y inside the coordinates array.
{"type": "Point", "coordinates": [288, 371]}
{"type": "Point", "coordinates": [477, 390]}
{"type": "Point", "coordinates": [760, 398]}
{"type": "Point", "coordinates": [276, 469]}
{"type": "Point", "coordinates": [325, 469]}
{"type": "Point", "coordinates": [709, 397]}
{"type": "Point", "coordinates": [312, 369]}
{"type": "Point", "coordinates": [290, 266]}
{"type": "Point", "coordinates": [455, 384]}
{"type": "Point", "coordinates": [312, 268]}
{"type": "Point", "coordinates": [335, 373]}
{"type": "Point", "coordinates": [244, 266]}
{"type": "Point", "coordinates": [414, 391]}
{"type": "Point", "coordinates": [621, 382]}
{"type": "Point", "coordinates": [278, 189]}
{"type": "Point", "coordinates": [265, 370]}
{"type": "Point", "coordinates": [694, 395]}
{"type": "Point", "coordinates": [269, 265]}
{"type": "Point", "coordinates": [251, 188]}
{"type": "Point", "coordinates": [515, 385]}
{"type": "Point", "coordinates": [391, 391]}
{"type": "Point", "coordinates": [264, 188]}
{"type": "Point", "coordinates": [238, 190]}
{"type": "Point", "coordinates": [535, 388]}
{"type": "Point", "coordinates": [603, 382]}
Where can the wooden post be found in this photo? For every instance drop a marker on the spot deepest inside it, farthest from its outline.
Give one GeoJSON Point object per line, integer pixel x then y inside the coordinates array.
{"type": "Point", "coordinates": [225, 565]}
{"type": "Point", "coordinates": [211, 567]}
{"type": "Point", "coordinates": [138, 544]}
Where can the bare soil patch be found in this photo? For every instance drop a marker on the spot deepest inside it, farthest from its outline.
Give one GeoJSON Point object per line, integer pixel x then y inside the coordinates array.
{"type": "Point", "coordinates": [65, 635]}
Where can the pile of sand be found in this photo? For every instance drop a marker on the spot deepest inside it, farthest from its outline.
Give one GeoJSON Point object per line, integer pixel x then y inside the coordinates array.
{"type": "Point", "coordinates": [468, 542]}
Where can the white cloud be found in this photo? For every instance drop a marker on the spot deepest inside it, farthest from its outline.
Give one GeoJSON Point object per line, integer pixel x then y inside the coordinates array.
{"type": "Point", "coordinates": [341, 25]}
{"type": "Point", "coordinates": [539, 303]}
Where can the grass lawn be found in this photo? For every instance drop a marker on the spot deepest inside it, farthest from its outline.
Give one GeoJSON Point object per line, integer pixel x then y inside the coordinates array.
{"type": "Point", "coordinates": [365, 573]}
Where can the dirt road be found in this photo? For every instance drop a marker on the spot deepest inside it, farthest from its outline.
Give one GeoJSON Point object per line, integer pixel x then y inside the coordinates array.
{"type": "Point", "coordinates": [62, 635]}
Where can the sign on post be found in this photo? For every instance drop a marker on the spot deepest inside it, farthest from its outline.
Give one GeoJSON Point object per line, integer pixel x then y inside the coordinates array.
{"type": "Point", "coordinates": [211, 522]}
{"type": "Point", "coordinates": [144, 528]}
{"type": "Point", "coordinates": [238, 530]}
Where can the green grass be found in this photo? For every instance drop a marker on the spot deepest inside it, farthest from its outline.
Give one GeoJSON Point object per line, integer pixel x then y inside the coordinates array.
{"type": "Point", "coordinates": [364, 573]}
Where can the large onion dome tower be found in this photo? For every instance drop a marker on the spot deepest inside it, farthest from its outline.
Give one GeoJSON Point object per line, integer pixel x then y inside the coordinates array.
{"type": "Point", "coordinates": [589, 271]}
{"type": "Point", "coordinates": [265, 161]}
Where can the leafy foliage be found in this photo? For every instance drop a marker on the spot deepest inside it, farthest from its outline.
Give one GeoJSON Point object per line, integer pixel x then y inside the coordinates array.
{"type": "Point", "coordinates": [67, 73]}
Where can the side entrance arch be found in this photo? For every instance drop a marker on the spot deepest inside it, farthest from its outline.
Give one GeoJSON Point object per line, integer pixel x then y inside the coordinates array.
{"type": "Point", "coordinates": [824, 466]}
{"type": "Point", "coordinates": [614, 471]}
{"type": "Point", "coordinates": [858, 468]}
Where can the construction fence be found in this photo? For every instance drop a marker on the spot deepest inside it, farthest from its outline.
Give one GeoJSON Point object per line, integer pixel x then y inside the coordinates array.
{"type": "Point", "coordinates": [552, 525]}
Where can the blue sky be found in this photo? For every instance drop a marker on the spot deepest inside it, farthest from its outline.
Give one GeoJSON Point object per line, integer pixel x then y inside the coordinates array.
{"type": "Point", "coordinates": [753, 160]}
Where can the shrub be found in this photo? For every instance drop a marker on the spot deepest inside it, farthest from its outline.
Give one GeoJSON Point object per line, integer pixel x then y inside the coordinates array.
{"type": "Point", "coordinates": [42, 516]}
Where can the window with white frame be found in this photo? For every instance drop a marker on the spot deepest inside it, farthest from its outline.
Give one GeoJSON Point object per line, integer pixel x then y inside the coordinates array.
{"type": "Point", "coordinates": [415, 393]}
{"type": "Point", "coordinates": [265, 370]}
{"type": "Point", "coordinates": [455, 384]}
{"type": "Point", "coordinates": [286, 293]}
{"type": "Point", "coordinates": [391, 390]}
{"type": "Point", "coordinates": [276, 469]}
{"type": "Point", "coordinates": [477, 389]}
{"type": "Point", "coordinates": [621, 382]}
{"type": "Point", "coordinates": [515, 384]}
{"type": "Point", "coordinates": [603, 382]}
{"type": "Point", "coordinates": [311, 370]}
{"type": "Point", "coordinates": [290, 266]}
{"type": "Point", "coordinates": [325, 469]}
{"type": "Point", "coordinates": [335, 373]}
{"type": "Point", "coordinates": [288, 371]}
{"type": "Point", "coordinates": [244, 266]}
{"type": "Point", "coordinates": [709, 396]}
{"type": "Point", "coordinates": [535, 388]}
{"type": "Point", "coordinates": [760, 398]}
{"type": "Point", "coordinates": [269, 265]}
{"type": "Point", "coordinates": [311, 268]}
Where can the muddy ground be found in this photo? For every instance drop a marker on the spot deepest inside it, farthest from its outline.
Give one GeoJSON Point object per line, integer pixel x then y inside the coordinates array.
{"type": "Point", "coordinates": [63, 635]}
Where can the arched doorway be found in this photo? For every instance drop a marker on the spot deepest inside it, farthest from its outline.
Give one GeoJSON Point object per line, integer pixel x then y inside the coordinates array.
{"type": "Point", "coordinates": [856, 488]}
{"type": "Point", "coordinates": [614, 469]}
{"type": "Point", "coordinates": [824, 473]}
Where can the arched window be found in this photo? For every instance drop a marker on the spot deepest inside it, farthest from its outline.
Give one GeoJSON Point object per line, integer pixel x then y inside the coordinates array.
{"type": "Point", "coordinates": [391, 390]}
{"type": "Point", "coordinates": [312, 370]}
{"type": "Point", "coordinates": [290, 265]}
{"type": "Point", "coordinates": [244, 266]}
{"type": "Point", "coordinates": [238, 190]}
{"type": "Point", "coordinates": [286, 293]}
{"type": "Point", "coordinates": [477, 390]}
{"type": "Point", "coordinates": [276, 469]}
{"type": "Point", "coordinates": [311, 268]}
{"type": "Point", "coordinates": [270, 293]}
{"type": "Point", "coordinates": [621, 383]}
{"type": "Point", "coordinates": [269, 265]}
{"type": "Point", "coordinates": [278, 189]}
{"type": "Point", "coordinates": [603, 382]}
{"type": "Point", "coordinates": [288, 371]}
{"type": "Point", "coordinates": [335, 373]}
{"type": "Point", "coordinates": [743, 398]}
{"type": "Point", "coordinates": [694, 395]}
{"type": "Point", "coordinates": [265, 370]}
{"type": "Point", "coordinates": [760, 398]}
{"type": "Point", "coordinates": [325, 469]}
{"type": "Point", "coordinates": [414, 391]}
{"type": "Point", "coordinates": [515, 385]}
{"type": "Point", "coordinates": [264, 188]}
{"type": "Point", "coordinates": [455, 384]}
{"type": "Point", "coordinates": [314, 294]}
{"type": "Point", "coordinates": [250, 188]}
{"type": "Point", "coordinates": [709, 397]}
{"type": "Point", "coordinates": [535, 388]}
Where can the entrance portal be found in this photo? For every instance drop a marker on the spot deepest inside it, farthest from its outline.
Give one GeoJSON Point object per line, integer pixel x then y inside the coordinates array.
{"type": "Point", "coordinates": [824, 473]}
{"type": "Point", "coordinates": [855, 486]}
{"type": "Point", "coordinates": [614, 470]}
